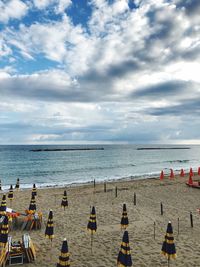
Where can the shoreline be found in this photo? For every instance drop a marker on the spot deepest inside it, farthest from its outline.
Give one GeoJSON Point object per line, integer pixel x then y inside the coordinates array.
{"type": "Point", "coordinates": [77, 184]}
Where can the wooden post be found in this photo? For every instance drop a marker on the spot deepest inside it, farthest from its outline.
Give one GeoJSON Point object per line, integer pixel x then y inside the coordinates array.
{"type": "Point", "coordinates": [178, 226]}
{"type": "Point", "coordinates": [191, 219]}
{"type": "Point", "coordinates": [134, 199]}
{"type": "Point", "coordinates": [161, 208]}
{"type": "Point", "coordinates": [116, 191]}
{"type": "Point", "coordinates": [154, 230]}
{"type": "Point", "coordinates": [94, 183]}
{"type": "Point", "coordinates": [105, 187]}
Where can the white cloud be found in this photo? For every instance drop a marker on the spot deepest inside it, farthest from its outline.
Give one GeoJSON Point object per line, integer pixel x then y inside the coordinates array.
{"type": "Point", "coordinates": [59, 5]}
{"type": "Point", "coordinates": [63, 5]}
{"type": "Point", "coordinates": [12, 9]}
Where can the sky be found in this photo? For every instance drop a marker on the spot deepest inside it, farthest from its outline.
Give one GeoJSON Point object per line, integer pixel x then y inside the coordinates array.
{"type": "Point", "coordinates": [99, 71]}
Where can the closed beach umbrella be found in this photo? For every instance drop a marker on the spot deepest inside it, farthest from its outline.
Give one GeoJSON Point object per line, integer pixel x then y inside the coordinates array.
{"type": "Point", "coordinates": [34, 190]}
{"type": "Point", "coordinates": [171, 174]}
{"type": "Point", "coordinates": [64, 255]}
{"type": "Point", "coordinates": [168, 247]}
{"type": "Point", "coordinates": [182, 174]}
{"type": "Point", "coordinates": [124, 256]}
{"type": "Point", "coordinates": [191, 173]}
{"type": "Point", "coordinates": [92, 224]}
{"type": "Point", "coordinates": [17, 184]}
{"type": "Point", "coordinates": [32, 206]}
{"type": "Point", "coordinates": [190, 181]}
{"type": "Point", "coordinates": [49, 232]}
{"type": "Point", "coordinates": [64, 202]}
{"type": "Point", "coordinates": [4, 232]}
{"type": "Point", "coordinates": [3, 205]}
{"type": "Point", "coordinates": [198, 171]}
{"type": "Point", "coordinates": [124, 220]}
{"type": "Point", "coordinates": [161, 175]}
{"type": "Point", "coordinates": [10, 194]}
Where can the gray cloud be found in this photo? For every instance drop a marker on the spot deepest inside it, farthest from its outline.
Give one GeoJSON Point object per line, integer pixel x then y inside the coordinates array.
{"type": "Point", "coordinates": [164, 89]}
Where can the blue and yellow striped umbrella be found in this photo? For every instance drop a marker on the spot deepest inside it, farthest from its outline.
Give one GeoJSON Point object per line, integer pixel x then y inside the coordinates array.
{"type": "Point", "coordinates": [32, 206]}
{"type": "Point", "coordinates": [124, 256]}
{"type": "Point", "coordinates": [3, 205]}
{"type": "Point", "coordinates": [92, 224]}
{"type": "Point", "coordinates": [49, 232]}
{"type": "Point", "coordinates": [168, 247]}
{"type": "Point", "coordinates": [64, 256]}
{"type": "Point", "coordinates": [10, 194]}
{"type": "Point", "coordinates": [34, 190]}
{"type": "Point", "coordinates": [64, 202]}
{"type": "Point", "coordinates": [4, 232]}
{"type": "Point", "coordinates": [124, 219]}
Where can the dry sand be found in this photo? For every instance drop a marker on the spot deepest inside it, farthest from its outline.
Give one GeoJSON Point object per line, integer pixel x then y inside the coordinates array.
{"type": "Point", "coordinates": [178, 201]}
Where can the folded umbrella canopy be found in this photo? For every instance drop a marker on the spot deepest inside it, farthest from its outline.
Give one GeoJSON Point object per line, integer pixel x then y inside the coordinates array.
{"type": "Point", "coordinates": [3, 205]}
{"type": "Point", "coordinates": [10, 194]}
{"type": "Point", "coordinates": [92, 224]}
{"type": "Point", "coordinates": [124, 219]}
{"type": "Point", "coordinates": [64, 256]}
{"type": "Point", "coordinates": [64, 202]}
{"type": "Point", "coordinates": [32, 206]}
{"type": "Point", "coordinates": [49, 232]}
{"type": "Point", "coordinates": [124, 256]}
{"type": "Point", "coordinates": [4, 232]}
{"type": "Point", "coordinates": [168, 247]}
{"type": "Point", "coordinates": [34, 190]}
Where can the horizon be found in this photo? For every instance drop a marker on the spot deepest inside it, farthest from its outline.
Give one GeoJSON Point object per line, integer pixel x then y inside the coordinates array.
{"type": "Point", "coordinates": [99, 71]}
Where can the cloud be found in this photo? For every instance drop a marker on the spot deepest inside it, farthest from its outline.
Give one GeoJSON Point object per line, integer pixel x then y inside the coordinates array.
{"type": "Point", "coordinates": [116, 77]}
{"type": "Point", "coordinates": [59, 5]}
{"type": "Point", "coordinates": [12, 9]}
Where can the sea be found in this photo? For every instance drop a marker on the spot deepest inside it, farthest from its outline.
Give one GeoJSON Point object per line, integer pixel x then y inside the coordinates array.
{"type": "Point", "coordinates": [62, 165]}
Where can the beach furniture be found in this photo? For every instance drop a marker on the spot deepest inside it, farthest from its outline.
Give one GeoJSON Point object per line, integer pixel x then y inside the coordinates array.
{"type": "Point", "coordinates": [168, 247]}
{"type": "Point", "coordinates": [92, 224]}
{"type": "Point", "coordinates": [17, 252]}
{"type": "Point", "coordinates": [124, 219]}
{"type": "Point", "coordinates": [32, 221]}
{"type": "Point", "coordinates": [124, 256]}
{"type": "Point", "coordinates": [64, 255]}
{"type": "Point", "coordinates": [49, 232]}
{"type": "Point", "coordinates": [64, 202]}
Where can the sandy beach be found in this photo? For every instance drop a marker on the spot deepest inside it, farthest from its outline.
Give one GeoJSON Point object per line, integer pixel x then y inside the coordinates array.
{"type": "Point", "coordinates": [178, 201]}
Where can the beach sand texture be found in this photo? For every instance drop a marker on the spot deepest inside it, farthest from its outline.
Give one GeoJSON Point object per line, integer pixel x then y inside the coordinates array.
{"type": "Point", "coordinates": [178, 201]}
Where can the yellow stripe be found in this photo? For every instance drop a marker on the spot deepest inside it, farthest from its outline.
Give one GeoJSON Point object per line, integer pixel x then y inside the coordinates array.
{"type": "Point", "coordinates": [66, 254]}
{"type": "Point", "coordinates": [126, 252]}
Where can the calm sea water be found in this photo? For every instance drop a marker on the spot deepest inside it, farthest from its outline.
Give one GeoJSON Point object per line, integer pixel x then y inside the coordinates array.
{"type": "Point", "coordinates": [67, 167]}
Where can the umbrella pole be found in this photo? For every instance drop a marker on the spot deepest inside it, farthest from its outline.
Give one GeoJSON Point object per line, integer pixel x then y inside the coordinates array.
{"type": "Point", "coordinates": [91, 241]}
{"type": "Point", "coordinates": [168, 261]}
